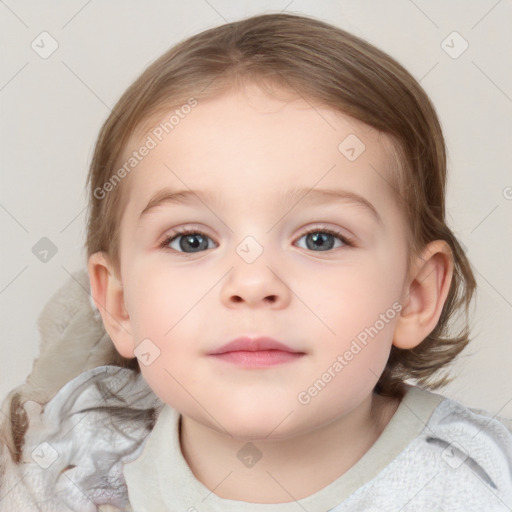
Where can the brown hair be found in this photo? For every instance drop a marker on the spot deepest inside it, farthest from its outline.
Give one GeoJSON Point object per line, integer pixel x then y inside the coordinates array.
{"type": "Point", "coordinates": [339, 70]}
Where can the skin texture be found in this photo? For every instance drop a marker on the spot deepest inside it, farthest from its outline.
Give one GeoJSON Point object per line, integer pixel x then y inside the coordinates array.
{"type": "Point", "coordinates": [248, 149]}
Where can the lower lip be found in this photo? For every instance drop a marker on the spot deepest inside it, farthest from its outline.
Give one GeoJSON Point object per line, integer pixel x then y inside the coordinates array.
{"type": "Point", "coordinates": [258, 358]}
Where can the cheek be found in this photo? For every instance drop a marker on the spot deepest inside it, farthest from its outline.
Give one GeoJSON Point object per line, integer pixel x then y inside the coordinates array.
{"type": "Point", "coordinates": [356, 297]}
{"type": "Point", "coordinates": [163, 313]}
{"type": "Point", "coordinates": [166, 315]}
{"type": "Point", "coordinates": [158, 299]}
{"type": "Point", "coordinates": [359, 309]}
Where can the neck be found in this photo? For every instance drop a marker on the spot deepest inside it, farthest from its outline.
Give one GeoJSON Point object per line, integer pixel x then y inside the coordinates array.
{"type": "Point", "coordinates": [288, 469]}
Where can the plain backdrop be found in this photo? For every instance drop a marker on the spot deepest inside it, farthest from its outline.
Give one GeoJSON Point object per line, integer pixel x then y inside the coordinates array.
{"type": "Point", "coordinates": [52, 107]}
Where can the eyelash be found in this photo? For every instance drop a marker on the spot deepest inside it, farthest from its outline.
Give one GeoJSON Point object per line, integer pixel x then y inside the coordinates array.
{"type": "Point", "coordinates": [348, 241]}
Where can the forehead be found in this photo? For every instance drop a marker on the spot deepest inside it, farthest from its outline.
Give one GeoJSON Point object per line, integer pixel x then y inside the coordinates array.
{"type": "Point", "coordinates": [250, 147]}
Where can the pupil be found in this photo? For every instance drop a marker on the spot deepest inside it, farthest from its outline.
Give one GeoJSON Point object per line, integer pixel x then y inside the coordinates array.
{"type": "Point", "coordinates": [318, 239]}
{"type": "Point", "coordinates": [192, 242]}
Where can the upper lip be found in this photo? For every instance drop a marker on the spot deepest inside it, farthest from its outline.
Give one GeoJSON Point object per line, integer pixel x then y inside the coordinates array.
{"type": "Point", "coordinates": [247, 343]}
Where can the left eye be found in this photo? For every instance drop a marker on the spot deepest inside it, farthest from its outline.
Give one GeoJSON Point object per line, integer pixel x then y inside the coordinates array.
{"type": "Point", "coordinates": [323, 240]}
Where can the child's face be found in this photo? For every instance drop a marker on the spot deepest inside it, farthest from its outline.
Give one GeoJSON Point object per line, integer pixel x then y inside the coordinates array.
{"type": "Point", "coordinates": [243, 155]}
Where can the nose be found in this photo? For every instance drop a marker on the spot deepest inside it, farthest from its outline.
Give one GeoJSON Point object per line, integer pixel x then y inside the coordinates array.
{"type": "Point", "coordinates": [256, 285]}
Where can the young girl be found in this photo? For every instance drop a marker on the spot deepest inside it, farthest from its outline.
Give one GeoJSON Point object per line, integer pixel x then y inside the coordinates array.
{"type": "Point", "coordinates": [268, 250]}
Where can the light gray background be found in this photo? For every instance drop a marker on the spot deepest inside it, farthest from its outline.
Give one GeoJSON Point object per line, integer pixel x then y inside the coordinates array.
{"type": "Point", "coordinates": [52, 110]}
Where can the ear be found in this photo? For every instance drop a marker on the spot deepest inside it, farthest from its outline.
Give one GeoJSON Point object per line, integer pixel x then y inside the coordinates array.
{"type": "Point", "coordinates": [424, 295]}
{"type": "Point", "coordinates": [108, 295]}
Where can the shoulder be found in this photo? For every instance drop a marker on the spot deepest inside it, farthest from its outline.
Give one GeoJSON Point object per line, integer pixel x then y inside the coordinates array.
{"type": "Point", "coordinates": [454, 459]}
{"type": "Point", "coordinates": [477, 428]}
{"type": "Point", "coordinates": [469, 443]}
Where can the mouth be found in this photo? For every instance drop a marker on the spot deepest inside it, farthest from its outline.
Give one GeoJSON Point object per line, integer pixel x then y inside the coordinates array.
{"type": "Point", "coordinates": [256, 352]}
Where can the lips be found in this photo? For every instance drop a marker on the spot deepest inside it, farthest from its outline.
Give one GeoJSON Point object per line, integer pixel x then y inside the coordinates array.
{"type": "Point", "coordinates": [247, 344]}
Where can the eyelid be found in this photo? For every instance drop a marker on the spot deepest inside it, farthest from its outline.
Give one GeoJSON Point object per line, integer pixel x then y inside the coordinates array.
{"type": "Point", "coordinates": [183, 230]}
{"type": "Point", "coordinates": [345, 238]}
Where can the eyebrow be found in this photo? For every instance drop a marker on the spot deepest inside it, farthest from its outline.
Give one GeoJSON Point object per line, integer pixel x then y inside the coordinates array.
{"type": "Point", "coordinates": [289, 198]}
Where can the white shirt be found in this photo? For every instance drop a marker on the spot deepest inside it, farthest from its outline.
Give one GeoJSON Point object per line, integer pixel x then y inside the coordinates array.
{"type": "Point", "coordinates": [434, 455]}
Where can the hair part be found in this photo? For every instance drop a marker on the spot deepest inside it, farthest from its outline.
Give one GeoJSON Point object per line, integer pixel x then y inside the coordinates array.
{"type": "Point", "coordinates": [324, 64]}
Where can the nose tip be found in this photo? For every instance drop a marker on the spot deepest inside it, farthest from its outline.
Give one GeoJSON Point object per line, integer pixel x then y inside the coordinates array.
{"type": "Point", "coordinates": [254, 285]}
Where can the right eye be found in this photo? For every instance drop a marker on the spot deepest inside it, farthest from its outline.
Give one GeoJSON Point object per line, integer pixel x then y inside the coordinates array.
{"type": "Point", "coordinates": [187, 241]}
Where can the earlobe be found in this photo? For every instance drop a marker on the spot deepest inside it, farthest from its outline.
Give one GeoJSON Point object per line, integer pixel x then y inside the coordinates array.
{"type": "Point", "coordinates": [108, 295]}
{"type": "Point", "coordinates": [424, 295]}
